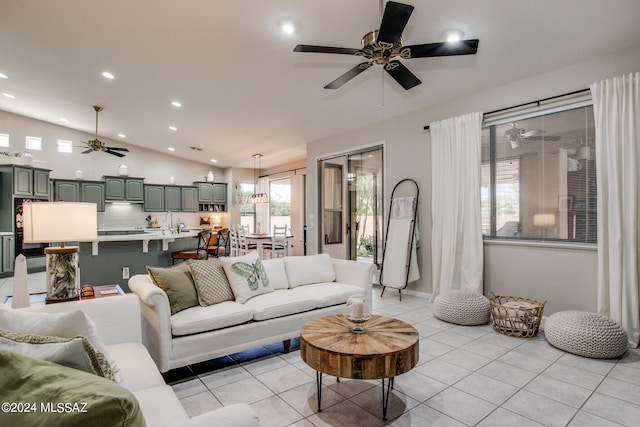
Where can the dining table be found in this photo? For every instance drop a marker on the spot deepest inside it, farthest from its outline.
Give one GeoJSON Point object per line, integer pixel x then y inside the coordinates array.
{"type": "Point", "coordinates": [260, 238]}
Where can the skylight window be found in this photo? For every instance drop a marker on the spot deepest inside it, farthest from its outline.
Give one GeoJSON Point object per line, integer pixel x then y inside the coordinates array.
{"type": "Point", "coordinates": [34, 143]}
{"type": "Point", "coordinates": [64, 146]}
{"type": "Point", "coordinates": [4, 140]}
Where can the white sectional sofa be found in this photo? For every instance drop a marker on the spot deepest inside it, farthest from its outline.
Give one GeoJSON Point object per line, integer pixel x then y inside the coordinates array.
{"type": "Point", "coordinates": [119, 325]}
{"type": "Point", "coordinates": [305, 288]}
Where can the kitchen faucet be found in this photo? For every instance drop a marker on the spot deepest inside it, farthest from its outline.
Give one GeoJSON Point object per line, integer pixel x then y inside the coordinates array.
{"type": "Point", "coordinates": [170, 227]}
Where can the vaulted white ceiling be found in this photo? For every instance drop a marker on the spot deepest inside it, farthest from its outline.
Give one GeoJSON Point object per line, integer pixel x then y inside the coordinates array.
{"type": "Point", "coordinates": [243, 90]}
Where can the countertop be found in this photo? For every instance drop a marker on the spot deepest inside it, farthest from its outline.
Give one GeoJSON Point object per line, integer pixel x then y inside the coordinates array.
{"type": "Point", "coordinates": [144, 236]}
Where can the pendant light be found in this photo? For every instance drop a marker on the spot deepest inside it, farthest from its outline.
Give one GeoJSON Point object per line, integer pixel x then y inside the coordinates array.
{"type": "Point", "coordinates": [258, 197]}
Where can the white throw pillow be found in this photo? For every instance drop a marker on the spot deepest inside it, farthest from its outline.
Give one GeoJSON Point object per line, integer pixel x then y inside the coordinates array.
{"type": "Point", "coordinates": [276, 273]}
{"type": "Point", "coordinates": [247, 276]}
{"type": "Point", "coordinates": [77, 353]}
{"type": "Point", "coordinates": [65, 325]}
{"type": "Point", "coordinates": [304, 270]}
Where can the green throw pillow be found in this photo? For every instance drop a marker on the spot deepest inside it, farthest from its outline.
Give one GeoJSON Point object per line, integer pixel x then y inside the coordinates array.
{"type": "Point", "coordinates": [178, 284]}
{"type": "Point", "coordinates": [54, 395]}
{"type": "Point", "coordinates": [211, 281]}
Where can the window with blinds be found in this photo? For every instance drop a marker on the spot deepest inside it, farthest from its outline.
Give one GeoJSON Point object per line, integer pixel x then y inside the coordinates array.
{"type": "Point", "coordinates": [539, 177]}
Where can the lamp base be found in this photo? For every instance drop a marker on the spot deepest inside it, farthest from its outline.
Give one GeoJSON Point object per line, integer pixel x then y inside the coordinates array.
{"type": "Point", "coordinates": [62, 273]}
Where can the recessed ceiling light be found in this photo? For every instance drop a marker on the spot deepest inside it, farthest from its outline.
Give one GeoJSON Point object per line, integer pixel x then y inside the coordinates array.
{"type": "Point", "coordinates": [173, 128]}
{"type": "Point", "coordinates": [452, 35]}
{"type": "Point", "coordinates": [176, 103]}
{"type": "Point", "coordinates": [171, 149]}
{"type": "Point", "coordinates": [214, 161]}
{"type": "Point", "coordinates": [122, 135]}
{"type": "Point", "coordinates": [3, 76]}
{"type": "Point", "coordinates": [288, 27]}
{"type": "Point", "coordinates": [10, 96]}
{"type": "Point", "coordinates": [108, 75]}
{"type": "Point", "coordinates": [62, 119]}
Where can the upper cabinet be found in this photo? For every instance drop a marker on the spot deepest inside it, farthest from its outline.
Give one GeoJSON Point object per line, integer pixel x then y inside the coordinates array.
{"type": "Point", "coordinates": [93, 192]}
{"type": "Point", "coordinates": [172, 198]}
{"type": "Point", "coordinates": [30, 182]}
{"type": "Point", "coordinates": [153, 198]}
{"type": "Point", "coordinates": [212, 197]}
{"type": "Point", "coordinates": [189, 199]}
{"type": "Point", "coordinates": [119, 189]}
{"type": "Point", "coordinates": [79, 191]}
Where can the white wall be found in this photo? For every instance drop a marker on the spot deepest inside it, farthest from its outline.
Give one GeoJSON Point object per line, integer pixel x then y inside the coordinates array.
{"type": "Point", "coordinates": [154, 166]}
{"type": "Point", "coordinates": [564, 277]}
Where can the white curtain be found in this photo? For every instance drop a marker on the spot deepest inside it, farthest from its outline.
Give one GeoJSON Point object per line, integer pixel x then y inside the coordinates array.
{"type": "Point", "coordinates": [456, 235]}
{"type": "Point", "coordinates": [262, 209]}
{"type": "Point", "coordinates": [616, 107]}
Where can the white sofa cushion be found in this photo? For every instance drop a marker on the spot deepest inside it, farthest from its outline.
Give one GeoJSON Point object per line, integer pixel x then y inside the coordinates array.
{"type": "Point", "coordinates": [280, 303]}
{"type": "Point", "coordinates": [247, 276]}
{"type": "Point", "coordinates": [160, 406]}
{"type": "Point", "coordinates": [276, 273]}
{"type": "Point", "coordinates": [328, 293]}
{"type": "Point", "coordinates": [304, 270]}
{"type": "Point", "coordinates": [136, 365]}
{"type": "Point", "coordinates": [203, 319]}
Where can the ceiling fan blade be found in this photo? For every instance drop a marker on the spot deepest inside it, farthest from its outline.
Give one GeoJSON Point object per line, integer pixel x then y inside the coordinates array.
{"type": "Point", "coordinates": [348, 75]}
{"type": "Point", "coordinates": [394, 19]}
{"type": "Point", "coordinates": [402, 75]}
{"type": "Point", "coordinates": [463, 47]}
{"type": "Point", "coordinates": [117, 149]}
{"type": "Point", "coordinates": [326, 49]}
{"type": "Point", "coordinates": [89, 150]}
{"type": "Point", "coordinates": [115, 153]}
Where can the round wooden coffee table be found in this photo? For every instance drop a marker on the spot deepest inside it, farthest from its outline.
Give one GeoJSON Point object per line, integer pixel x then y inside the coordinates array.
{"type": "Point", "coordinates": [389, 347]}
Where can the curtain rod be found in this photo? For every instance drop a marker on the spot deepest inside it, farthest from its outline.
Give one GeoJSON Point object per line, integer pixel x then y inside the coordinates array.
{"type": "Point", "coordinates": [288, 170]}
{"type": "Point", "coordinates": [537, 102]}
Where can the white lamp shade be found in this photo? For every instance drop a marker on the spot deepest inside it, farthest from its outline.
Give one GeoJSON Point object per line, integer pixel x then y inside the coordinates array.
{"type": "Point", "coordinates": [544, 220]}
{"type": "Point", "coordinates": [45, 222]}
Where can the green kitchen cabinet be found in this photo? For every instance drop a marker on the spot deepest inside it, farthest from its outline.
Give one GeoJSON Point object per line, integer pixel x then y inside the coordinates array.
{"type": "Point", "coordinates": [154, 198]}
{"type": "Point", "coordinates": [93, 192]}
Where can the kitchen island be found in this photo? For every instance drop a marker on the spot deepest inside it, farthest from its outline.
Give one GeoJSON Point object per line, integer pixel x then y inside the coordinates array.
{"type": "Point", "coordinates": [114, 256]}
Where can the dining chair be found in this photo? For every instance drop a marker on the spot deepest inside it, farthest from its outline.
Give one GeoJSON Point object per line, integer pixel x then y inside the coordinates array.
{"type": "Point", "coordinates": [279, 243]}
{"type": "Point", "coordinates": [218, 243]}
{"type": "Point", "coordinates": [200, 252]}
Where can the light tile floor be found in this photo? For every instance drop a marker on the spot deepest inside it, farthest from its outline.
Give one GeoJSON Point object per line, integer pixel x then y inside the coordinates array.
{"type": "Point", "coordinates": [466, 376]}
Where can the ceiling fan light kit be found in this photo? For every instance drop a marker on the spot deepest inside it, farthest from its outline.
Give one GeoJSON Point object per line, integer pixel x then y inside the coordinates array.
{"type": "Point", "coordinates": [384, 47]}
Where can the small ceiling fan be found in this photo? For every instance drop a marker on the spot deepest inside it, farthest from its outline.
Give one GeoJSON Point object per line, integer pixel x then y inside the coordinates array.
{"type": "Point", "coordinates": [384, 45]}
{"type": "Point", "coordinates": [516, 136]}
{"type": "Point", "coordinates": [97, 145]}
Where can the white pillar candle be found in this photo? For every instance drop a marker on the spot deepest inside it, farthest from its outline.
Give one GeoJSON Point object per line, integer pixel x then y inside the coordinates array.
{"type": "Point", "coordinates": [357, 309]}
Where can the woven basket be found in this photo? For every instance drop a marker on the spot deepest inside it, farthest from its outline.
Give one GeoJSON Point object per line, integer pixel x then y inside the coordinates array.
{"type": "Point", "coordinates": [516, 316]}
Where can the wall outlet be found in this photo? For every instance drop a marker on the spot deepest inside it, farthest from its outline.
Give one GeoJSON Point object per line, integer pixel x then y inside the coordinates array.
{"type": "Point", "coordinates": [125, 272]}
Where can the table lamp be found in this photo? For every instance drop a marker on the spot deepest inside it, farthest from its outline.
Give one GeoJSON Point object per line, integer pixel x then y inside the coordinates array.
{"type": "Point", "coordinates": [49, 222]}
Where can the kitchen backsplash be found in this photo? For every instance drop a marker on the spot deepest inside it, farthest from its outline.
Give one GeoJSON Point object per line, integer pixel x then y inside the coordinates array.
{"type": "Point", "coordinates": [132, 216]}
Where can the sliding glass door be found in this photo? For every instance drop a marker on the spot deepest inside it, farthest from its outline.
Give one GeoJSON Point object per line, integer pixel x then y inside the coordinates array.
{"type": "Point", "coordinates": [351, 205]}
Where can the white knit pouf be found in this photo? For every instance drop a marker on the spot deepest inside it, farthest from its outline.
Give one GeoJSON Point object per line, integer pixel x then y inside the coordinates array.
{"type": "Point", "coordinates": [462, 308]}
{"type": "Point", "coordinates": [586, 334]}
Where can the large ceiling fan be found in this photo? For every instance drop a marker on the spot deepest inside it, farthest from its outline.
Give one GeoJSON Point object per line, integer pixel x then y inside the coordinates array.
{"type": "Point", "coordinates": [97, 145]}
{"type": "Point", "coordinates": [384, 45]}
